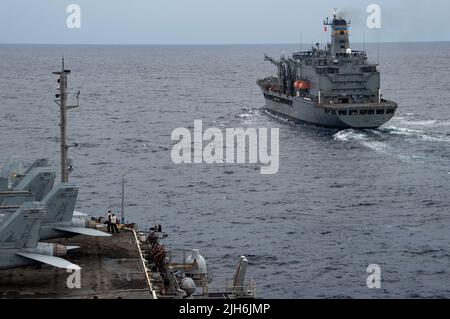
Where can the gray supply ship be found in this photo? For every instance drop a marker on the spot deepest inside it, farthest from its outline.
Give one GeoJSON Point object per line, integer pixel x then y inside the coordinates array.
{"type": "Point", "coordinates": [332, 87]}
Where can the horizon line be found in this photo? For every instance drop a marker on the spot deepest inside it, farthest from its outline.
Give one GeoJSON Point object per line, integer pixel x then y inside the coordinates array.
{"type": "Point", "coordinates": [205, 44]}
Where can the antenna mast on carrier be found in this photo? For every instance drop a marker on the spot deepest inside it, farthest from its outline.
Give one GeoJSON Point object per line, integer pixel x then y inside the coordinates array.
{"type": "Point", "coordinates": [123, 200]}
{"type": "Point", "coordinates": [61, 100]}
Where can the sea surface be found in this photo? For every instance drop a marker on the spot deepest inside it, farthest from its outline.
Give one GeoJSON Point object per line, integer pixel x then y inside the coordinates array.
{"type": "Point", "coordinates": [341, 200]}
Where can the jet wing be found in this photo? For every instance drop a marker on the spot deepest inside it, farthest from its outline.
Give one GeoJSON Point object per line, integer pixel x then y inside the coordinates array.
{"type": "Point", "coordinates": [51, 260]}
{"type": "Point", "coordinates": [72, 247]}
{"type": "Point", "coordinates": [83, 231]}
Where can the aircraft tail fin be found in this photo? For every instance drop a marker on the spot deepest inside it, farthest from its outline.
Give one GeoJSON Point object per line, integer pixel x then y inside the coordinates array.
{"type": "Point", "coordinates": [60, 203]}
{"type": "Point", "coordinates": [39, 181]}
{"type": "Point", "coordinates": [42, 162]}
{"type": "Point", "coordinates": [21, 229]}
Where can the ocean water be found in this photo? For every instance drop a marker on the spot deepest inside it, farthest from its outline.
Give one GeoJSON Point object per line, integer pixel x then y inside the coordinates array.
{"type": "Point", "coordinates": [342, 199]}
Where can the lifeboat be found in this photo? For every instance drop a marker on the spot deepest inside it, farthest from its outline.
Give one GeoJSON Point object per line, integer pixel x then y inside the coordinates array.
{"type": "Point", "coordinates": [302, 85]}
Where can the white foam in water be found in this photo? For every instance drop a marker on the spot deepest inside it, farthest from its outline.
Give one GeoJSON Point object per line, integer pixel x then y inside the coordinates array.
{"type": "Point", "coordinates": [414, 122]}
{"type": "Point", "coordinates": [245, 115]}
{"type": "Point", "coordinates": [415, 134]}
{"type": "Point", "coordinates": [352, 135]}
{"type": "Point", "coordinates": [406, 133]}
{"type": "Point", "coordinates": [376, 132]}
{"type": "Point", "coordinates": [378, 147]}
{"type": "Point", "coordinates": [402, 131]}
{"type": "Point", "coordinates": [429, 138]}
{"type": "Point", "coordinates": [411, 120]}
{"type": "Point", "coordinates": [349, 135]}
{"type": "Point", "coordinates": [280, 118]}
{"type": "Point", "coordinates": [422, 123]}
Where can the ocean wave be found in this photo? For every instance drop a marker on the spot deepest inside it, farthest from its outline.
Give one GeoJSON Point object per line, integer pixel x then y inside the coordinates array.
{"type": "Point", "coordinates": [401, 131]}
{"type": "Point", "coordinates": [350, 135]}
{"type": "Point", "coordinates": [378, 147]}
{"type": "Point", "coordinates": [421, 123]}
{"type": "Point", "coordinates": [439, 139]}
{"type": "Point", "coordinates": [244, 115]}
{"type": "Point", "coordinates": [248, 114]}
{"type": "Point", "coordinates": [416, 133]}
{"type": "Point", "coordinates": [415, 122]}
{"type": "Point", "coordinates": [384, 141]}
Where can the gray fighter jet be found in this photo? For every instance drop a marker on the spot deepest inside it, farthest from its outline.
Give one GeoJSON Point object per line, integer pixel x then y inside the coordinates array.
{"type": "Point", "coordinates": [39, 182]}
{"type": "Point", "coordinates": [39, 163]}
{"type": "Point", "coordinates": [19, 240]}
{"type": "Point", "coordinates": [11, 176]}
{"type": "Point", "coordinates": [59, 221]}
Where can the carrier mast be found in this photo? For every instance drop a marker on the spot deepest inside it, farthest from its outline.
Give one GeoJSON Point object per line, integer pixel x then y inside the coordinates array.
{"type": "Point", "coordinates": [61, 100]}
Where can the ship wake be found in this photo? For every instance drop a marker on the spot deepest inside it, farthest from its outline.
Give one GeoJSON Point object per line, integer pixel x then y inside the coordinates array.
{"type": "Point", "coordinates": [416, 134]}
{"type": "Point", "coordinates": [397, 142]}
{"type": "Point", "coordinates": [365, 138]}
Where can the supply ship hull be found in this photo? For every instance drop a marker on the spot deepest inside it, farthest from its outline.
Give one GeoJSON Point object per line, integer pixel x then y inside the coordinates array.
{"type": "Point", "coordinates": [301, 110]}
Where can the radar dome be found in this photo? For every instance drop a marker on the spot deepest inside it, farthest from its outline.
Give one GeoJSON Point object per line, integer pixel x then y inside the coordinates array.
{"type": "Point", "coordinates": [348, 51]}
{"type": "Point", "coordinates": [195, 257]}
{"type": "Point", "coordinates": [188, 285]}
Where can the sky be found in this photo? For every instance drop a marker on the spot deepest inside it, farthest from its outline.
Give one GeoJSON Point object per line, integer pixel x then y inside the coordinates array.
{"type": "Point", "coordinates": [216, 21]}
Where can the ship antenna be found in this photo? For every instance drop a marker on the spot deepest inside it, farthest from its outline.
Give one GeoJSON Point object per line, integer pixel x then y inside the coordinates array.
{"type": "Point", "coordinates": [364, 39]}
{"type": "Point", "coordinates": [61, 100]}
{"type": "Point", "coordinates": [321, 40]}
{"type": "Point", "coordinates": [378, 47]}
{"type": "Point", "coordinates": [123, 199]}
{"type": "Point", "coordinates": [301, 41]}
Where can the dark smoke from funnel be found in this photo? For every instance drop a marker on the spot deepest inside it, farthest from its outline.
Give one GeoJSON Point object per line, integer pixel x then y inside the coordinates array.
{"type": "Point", "coordinates": [357, 16]}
